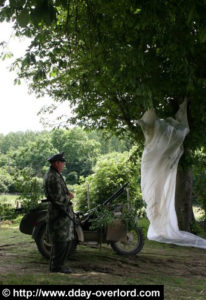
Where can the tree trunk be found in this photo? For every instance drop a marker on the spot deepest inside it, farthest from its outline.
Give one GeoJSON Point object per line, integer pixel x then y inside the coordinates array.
{"type": "Point", "coordinates": [183, 195]}
{"type": "Point", "coordinates": [184, 181]}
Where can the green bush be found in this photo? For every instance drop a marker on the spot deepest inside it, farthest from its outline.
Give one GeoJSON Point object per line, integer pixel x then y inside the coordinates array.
{"type": "Point", "coordinates": [130, 217]}
{"type": "Point", "coordinates": [5, 181]}
{"type": "Point", "coordinates": [105, 216]}
{"type": "Point", "coordinates": [7, 211]}
{"type": "Point", "coordinates": [110, 173]}
{"type": "Point", "coordinates": [72, 177]}
{"type": "Point", "coordinates": [102, 219]}
{"type": "Point", "coordinates": [29, 187]}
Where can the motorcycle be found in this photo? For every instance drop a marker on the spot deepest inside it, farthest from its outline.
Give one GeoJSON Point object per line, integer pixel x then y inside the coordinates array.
{"type": "Point", "coordinates": [123, 240]}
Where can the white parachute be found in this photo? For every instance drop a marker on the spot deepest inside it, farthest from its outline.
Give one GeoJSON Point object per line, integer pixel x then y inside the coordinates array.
{"type": "Point", "coordinates": [162, 151]}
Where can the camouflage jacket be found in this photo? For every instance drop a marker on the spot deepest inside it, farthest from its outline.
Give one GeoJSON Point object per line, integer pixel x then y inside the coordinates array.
{"type": "Point", "coordinates": [60, 212]}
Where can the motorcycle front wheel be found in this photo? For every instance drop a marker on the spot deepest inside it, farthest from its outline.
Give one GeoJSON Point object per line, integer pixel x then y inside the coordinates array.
{"type": "Point", "coordinates": [131, 244]}
{"type": "Point", "coordinates": [44, 245]}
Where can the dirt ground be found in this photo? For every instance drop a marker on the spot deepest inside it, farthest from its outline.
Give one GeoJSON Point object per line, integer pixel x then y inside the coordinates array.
{"type": "Point", "coordinates": [181, 270]}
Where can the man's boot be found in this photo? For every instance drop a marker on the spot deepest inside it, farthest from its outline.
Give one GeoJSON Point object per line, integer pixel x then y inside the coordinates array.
{"type": "Point", "coordinates": [59, 253]}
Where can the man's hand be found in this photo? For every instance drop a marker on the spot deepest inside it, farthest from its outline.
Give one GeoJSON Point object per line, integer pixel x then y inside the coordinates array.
{"type": "Point", "coordinates": [71, 195]}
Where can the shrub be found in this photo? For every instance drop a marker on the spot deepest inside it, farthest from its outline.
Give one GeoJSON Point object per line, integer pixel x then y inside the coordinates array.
{"type": "Point", "coordinates": [72, 177]}
{"type": "Point", "coordinates": [5, 181]}
{"type": "Point", "coordinates": [7, 211]}
{"type": "Point", "coordinates": [29, 187]}
{"type": "Point", "coordinates": [110, 173]}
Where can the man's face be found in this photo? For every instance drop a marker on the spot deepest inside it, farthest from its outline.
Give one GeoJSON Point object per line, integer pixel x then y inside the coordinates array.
{"type": "Point", "coordinates": [59, 165]}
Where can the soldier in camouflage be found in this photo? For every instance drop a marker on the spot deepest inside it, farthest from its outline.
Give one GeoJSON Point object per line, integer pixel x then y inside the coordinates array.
{"type": "Point", "coordinates": [60, 214]}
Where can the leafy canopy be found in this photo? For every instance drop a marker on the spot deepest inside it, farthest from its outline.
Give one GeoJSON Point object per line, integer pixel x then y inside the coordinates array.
{"type": "Point", "coordinates": [112, 59]}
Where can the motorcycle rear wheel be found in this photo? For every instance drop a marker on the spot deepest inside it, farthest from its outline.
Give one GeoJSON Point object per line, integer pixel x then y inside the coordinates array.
{"type": "Point", "coordinates": [44, 245]}
{"type": "Point", "coordinates": [132, 245]}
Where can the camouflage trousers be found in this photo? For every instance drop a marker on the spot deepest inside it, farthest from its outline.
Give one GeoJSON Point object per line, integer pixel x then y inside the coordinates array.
{"type": "Point", "coordinates": [61, 229]}
{"type": "Point", "coordinates": [59, 253]}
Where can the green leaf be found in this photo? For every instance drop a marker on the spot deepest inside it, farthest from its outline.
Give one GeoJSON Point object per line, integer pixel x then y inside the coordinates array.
{"type": "Point", "coordinates": [17, 81]}
{"type": "Point", "coordinates": [6, 55]}
{"type": "Point", "coordinates": [17, 3]}
{"type": "Point", "coordinates": [137, 11]}
{"type": "Point", "coordinates": [23, 18]}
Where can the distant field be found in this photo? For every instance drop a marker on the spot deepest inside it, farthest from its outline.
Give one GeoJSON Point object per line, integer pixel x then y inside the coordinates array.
{"type": "Point", "coordinates": [13, 198]}
{"type": "Point", "coordinates": [9, 198]}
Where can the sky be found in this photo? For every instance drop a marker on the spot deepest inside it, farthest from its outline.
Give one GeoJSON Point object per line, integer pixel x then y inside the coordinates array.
{"type": "Point", "coordinates": [18, 108]}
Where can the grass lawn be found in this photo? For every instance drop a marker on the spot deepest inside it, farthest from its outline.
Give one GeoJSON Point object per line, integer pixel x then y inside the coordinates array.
{"type": "Point", "coordinates": [182, 270]}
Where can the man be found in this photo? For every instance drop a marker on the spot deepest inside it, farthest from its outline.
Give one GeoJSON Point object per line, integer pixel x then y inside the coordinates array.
{"type": "Point", "coordinates": [60, 214]}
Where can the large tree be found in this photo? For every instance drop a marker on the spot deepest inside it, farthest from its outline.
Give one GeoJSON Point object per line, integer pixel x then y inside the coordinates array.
{"type": "Point", "coordinates": [80, 151]}
{"type": "Point", "coordinates": [113, 59]}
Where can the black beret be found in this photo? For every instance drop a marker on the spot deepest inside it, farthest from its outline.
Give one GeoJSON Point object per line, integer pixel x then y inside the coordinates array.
{"type": "Point", "coordinates": [57, 157]}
